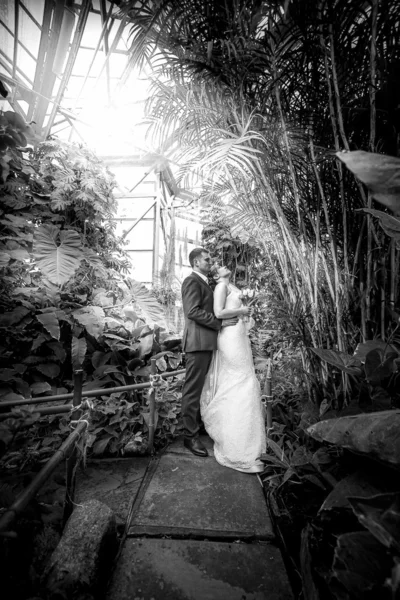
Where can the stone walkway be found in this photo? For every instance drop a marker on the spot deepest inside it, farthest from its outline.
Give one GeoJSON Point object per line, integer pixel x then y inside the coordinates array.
{"type": "Point", "coordinates": [194, 531]}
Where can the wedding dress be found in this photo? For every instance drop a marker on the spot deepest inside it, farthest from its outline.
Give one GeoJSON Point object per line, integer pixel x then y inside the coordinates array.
{"type": "Point", "coordinates": [230, 404]}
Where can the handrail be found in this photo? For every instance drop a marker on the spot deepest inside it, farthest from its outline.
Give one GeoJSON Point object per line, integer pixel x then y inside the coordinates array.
{"type": "Point", "coordinates": [26, 496]}
{"type": "Point", "coordinates": [88, 394]}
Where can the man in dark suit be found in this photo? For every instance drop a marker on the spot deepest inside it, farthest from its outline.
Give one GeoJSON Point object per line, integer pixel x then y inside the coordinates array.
{"type": "Point", "coordinates": [199, 342]}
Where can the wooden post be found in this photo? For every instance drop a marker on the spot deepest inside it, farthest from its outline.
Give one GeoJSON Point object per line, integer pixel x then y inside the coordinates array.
{"type": "Point", "coordinates": [152, 407]}
{"type": "Point", "coordinates": [268, 395]}
{"type": "Point", "coordinates": [71, 462]}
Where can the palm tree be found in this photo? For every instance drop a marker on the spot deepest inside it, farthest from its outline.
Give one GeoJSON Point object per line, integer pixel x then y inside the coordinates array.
{"type": "Point", "coordinates": [252, 99]}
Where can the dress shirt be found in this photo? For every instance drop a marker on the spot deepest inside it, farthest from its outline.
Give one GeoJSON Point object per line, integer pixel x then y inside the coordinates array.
{"type": "Point", "coordinates": [204, 278]}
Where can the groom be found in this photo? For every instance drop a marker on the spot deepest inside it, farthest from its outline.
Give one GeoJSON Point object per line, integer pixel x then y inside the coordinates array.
{"type": "Point", "coordinates": [199, 342]}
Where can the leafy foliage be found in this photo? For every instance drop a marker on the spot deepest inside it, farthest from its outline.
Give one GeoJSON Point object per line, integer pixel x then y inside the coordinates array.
{"type": "Point", "coordinates": [67, 303]}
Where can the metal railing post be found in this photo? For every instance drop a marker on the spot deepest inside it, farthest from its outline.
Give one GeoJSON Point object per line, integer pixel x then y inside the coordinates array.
{"type": "Point", "coordinates": [268, 395]}
{"type": "Point", "coordinates": [72, 459]}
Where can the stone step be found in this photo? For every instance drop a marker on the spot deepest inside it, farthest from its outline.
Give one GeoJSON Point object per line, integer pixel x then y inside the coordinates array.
{"type": "Point", "coordinates": [195, 495]}
{"type": "Point", "coordinates": [161, 569]}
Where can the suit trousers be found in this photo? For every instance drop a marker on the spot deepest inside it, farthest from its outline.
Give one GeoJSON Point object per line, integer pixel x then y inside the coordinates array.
{"type": "Point", "coordinates": [197, 365]}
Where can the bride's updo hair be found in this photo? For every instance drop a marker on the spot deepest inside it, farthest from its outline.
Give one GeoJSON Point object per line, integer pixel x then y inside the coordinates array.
{"type": "Point", "coordinates": [214, 272]}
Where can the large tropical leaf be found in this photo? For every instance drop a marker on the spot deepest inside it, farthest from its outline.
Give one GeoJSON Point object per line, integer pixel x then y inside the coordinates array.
{"type": "Point", "coordinates": [50, 323]}
{"type": "Point", "coordinates": [57, 253]}
{"type": "Point", "coordinates": [92, 318]}
{"type": "Point", "coordinates": [148, 304]}
{"type": "Point", "coordinates": [78, 351]}
{"type": "Point", "coordinates": [380, 173]}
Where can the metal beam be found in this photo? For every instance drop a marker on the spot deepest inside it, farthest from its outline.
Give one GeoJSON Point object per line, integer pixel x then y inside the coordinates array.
{"type": "Point", "coordinates": [104, 29]}
{"type": "Point", "coordinates": [80, 27]}
{"type": "Point", "coordinates": [44, 43]}
{"type": "Point", "coordinates": [16, 28]}
{"type": "Point", "coordinates": [46, 77]}
{"type": "Point", "coordinates": [136, 222]}
{"type": "Point", "coordinates": [106, 47]}
{"type": "Point", "coordinates": [113, 45]}
{"type": "Point", "coordinates": [22, 5]}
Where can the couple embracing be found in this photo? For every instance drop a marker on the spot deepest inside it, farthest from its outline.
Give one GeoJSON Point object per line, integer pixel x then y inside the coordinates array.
{"type": "Point", "coordinates": [221, 389]}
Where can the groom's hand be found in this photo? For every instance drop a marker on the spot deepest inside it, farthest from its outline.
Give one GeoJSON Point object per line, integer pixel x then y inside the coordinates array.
{"type": "Point", "coordinates": [229, 322]}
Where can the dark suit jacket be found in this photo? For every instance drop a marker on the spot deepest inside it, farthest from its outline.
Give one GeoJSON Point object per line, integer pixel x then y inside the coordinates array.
{"type": "Point", "coordinates": [201, 325]}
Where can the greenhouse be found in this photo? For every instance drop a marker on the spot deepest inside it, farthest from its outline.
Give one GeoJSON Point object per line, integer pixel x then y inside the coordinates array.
{"type": "Point", "coordinates": [200, 299]}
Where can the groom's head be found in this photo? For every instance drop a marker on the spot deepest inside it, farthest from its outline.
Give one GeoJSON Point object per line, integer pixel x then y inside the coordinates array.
{"type": "Point", "coordinates": [200, 260]}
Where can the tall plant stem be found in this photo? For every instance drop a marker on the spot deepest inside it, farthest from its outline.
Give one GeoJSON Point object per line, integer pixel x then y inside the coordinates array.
{"type": "Point", "coordinates": [372, 87]}
{"type": "Point", "coordinates": [333, 249]}
{"type": "Point", "coordinates": [337, 148]}
{"type": "Point", "coordinates": [392, 273]}
{"type": "Point", "coordinates": [290, 162]}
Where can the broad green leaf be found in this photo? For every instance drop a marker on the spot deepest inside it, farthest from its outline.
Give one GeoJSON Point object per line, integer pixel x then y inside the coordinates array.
{"type": "Point", "coordinates": [380, 173]}
{"type": "Point", "coordinates": [50, 370]}
{"type": "Point", "coordinates": [58, 349]}
{"type": "Point", "coordinates": [7, 374]}
{"type": "Point", "coordinates": [340, 360]}
{"type": "Point", "coordinates": [57, 261]}
{"type": "Point", "coordinates": [363, 349]}
{"type": "Point", "coordinates": [100, 358]}
{"type": "Point", "coordinates": [359, 562]}
{"type": "Point", "coordinates": [161, 364]}
{"type": "Point", "coordinates": [14, 316]}
{"type": "Point", "coordinates": [380, 514]}
{"type": "Point", "coordinates": [92, 318]}
{"type": "Point", "coordinates": [40, 387]}
{"type": "Point", "coordinates": [390, 224]}
{"type": "Point", "coordinates": [377, 367]}
{"type": "Point", "coordinates": [4, 259]}
{"type": "Point", "coordinates": [152, 310]}
{"type": "Point", "coordinates": [50, 323]}
{"type": "Point", "coordinates": [100, 446]}
{"type": "Point", "coordinates": [78, 351]}
{"type": "Point", "coordinates": [146, 344]}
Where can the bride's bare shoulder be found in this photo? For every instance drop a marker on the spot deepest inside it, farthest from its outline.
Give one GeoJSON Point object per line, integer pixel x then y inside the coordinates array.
{"type": "Point", "coordinates": [221, 287]}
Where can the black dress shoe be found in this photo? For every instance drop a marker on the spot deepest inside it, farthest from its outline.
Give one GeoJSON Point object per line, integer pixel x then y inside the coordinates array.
{"type": "Point", "coordinates": [195, 446]}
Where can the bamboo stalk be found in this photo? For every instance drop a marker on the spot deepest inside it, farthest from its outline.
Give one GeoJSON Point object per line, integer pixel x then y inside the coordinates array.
{"type": "Point", "coordinates": [393, 270]}
{"type": "Point", "coordinates": [383, 297]}
{"type": "Point", "coordinates": [268, 395]}
{"type": "Point", "coordinates": [28, 494]}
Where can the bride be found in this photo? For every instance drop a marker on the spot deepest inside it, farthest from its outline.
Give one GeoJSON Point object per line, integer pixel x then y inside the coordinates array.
{"type": "Point", "coordinates": [230, 404]}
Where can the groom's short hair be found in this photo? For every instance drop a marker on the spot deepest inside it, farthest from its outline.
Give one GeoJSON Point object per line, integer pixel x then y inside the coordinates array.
{"type": "Point", "coordinates": [195, 253]}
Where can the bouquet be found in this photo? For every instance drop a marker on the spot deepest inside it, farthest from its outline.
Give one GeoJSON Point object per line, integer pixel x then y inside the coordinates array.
{"type": "Point", "coordinates": [248, 296]}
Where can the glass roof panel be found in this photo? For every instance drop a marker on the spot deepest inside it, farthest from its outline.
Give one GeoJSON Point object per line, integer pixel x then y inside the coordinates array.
{"type": "Point", "coordinates": [7, 13]}
{"type": "Point", "coordinates": [35, 7]}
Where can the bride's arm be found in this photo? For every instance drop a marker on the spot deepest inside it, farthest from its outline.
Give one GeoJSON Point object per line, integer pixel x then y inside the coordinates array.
{"type": "Point", "coordinates": [220, 295]}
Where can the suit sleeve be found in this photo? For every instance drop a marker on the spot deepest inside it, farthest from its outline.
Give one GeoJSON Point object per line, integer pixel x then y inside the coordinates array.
{"type": "Point", "coordinates": [191, 294]}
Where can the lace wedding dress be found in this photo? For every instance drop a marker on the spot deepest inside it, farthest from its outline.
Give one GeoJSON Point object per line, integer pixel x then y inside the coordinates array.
{"type": "Point", "coordinates": [230, 405]}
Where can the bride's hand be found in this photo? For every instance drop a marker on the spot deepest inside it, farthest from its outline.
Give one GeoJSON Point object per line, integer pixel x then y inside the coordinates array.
{"type": "Point", "coordinates": [245, 311]}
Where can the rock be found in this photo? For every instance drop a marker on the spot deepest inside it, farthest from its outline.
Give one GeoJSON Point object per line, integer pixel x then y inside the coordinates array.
{"type": "Point", "coordinates": [374, 435]}
{"type": "Point", "coordinates": [81, 563]}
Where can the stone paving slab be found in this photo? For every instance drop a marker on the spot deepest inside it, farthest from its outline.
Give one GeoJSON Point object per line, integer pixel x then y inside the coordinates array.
{"type": "Point", "coordinates": [114, 482]}
{"type": "Point", "coordinates": [150, 569]}
{"type": "Point", "coordinates": [191, 493]}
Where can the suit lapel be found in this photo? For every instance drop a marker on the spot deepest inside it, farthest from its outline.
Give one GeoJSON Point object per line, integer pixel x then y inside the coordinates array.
{"type": "Point", "coordinates": [201, 280]}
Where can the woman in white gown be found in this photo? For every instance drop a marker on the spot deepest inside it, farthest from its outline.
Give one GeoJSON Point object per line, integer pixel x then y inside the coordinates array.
{"type": "Point", "coordinates": [230, 405]}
